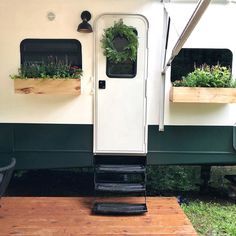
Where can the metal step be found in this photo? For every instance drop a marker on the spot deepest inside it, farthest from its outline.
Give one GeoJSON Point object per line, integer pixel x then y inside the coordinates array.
{"type": "Point", "coordinates": [119, 208]}
{"type": "Point", "coordinates": [120, 187]}
{"type": "Point", "coordinates": [119, 160]}
{"type": "Point", "coordinates": [231, 178]}
{"type": "Point", "coordinates": [126, 169]}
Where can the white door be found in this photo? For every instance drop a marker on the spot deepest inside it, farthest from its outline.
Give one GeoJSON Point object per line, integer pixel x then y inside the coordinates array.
{"type": "Point", "coordinates": [120, 101]}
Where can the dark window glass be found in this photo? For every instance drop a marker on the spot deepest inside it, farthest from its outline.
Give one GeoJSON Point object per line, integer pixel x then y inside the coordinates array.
{"type": "Point", "coordinates": [40, 50]}
{"type": "Point", "coordinates": [121, 70]}
{"type": "Point", "coordinates": [187, 58]}
{"type": "Point", "coordinates": [126, 69]}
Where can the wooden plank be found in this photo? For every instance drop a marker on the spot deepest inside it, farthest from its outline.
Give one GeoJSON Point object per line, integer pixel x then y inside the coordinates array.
{"type": "Point", "coordinates": [94, 230]}
{"type": "Point", "coordinates": [28, 216]}
{"type": "Point", "coordinates": [202, 95]}
{"type": "Point", "coordinates": [47, 86]}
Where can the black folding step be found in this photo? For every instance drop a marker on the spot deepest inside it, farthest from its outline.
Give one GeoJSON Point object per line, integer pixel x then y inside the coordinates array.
{"type": "Point", "coordinates": [119, 208]}
{"type": "Point", "coordinates": [132, 169]}
{"type": "Point", "coordinates": [231, 178]}
{"type": "Point", "coordinates": [119, 160]}
{"type": "Point", "coordinates": [123, 175]}
{"type": "Point", "coordinates": [120, 187]}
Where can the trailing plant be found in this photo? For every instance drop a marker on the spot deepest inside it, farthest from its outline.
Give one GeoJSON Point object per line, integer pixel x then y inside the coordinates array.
{"type": "Point", "coordinates": [208, 76]}
{"type": "Point", "coordinates": [121, 30]}
{"type": "Point", "coordinates": [53, 69]}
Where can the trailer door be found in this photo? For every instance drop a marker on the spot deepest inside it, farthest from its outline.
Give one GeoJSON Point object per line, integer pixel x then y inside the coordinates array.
{"type": "Point", "coordinates": [120, 93]}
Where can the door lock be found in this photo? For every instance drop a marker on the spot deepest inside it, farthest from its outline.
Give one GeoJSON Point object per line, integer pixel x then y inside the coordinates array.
{"type": "Point", "coordinates": [101, 84]}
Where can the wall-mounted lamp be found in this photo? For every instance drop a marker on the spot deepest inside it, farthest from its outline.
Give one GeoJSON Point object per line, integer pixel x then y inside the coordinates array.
{"type": "Point", "coordinates": [85, 27]}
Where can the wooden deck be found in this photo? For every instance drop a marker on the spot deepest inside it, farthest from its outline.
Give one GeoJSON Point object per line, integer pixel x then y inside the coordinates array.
{"type": "Point", "coordinates": [60, 216]}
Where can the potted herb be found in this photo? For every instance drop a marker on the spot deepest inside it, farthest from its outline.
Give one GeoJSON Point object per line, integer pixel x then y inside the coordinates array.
{"type": "Point", "coordinates": [206, 84]}
{"type": "Point", "coordinates": [51, 77]}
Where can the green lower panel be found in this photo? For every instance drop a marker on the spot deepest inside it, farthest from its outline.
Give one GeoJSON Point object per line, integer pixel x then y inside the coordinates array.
{"type": "Point", "coordinates": [55, 159]}
{"type": "Point", "coordinates": [192, 145]}
{"type": "Point", "coordinates": [191, 158]}
{"type": "Point", "coordinates": [37, 146]}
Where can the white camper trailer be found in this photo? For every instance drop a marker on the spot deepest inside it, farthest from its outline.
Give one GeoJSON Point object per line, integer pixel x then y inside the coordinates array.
{"type": "Point", "coordinates": [115, 114]}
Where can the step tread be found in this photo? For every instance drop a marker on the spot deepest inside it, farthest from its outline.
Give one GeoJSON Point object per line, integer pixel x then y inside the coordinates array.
{"type": "Point", "coordinates": [231, 178]}
{"type": "Point", "coordinates": [119, 208]}
{"type": "Point", "coordinates": [120, 168]}
{"type": "Point", "coordinates": [120, 187]}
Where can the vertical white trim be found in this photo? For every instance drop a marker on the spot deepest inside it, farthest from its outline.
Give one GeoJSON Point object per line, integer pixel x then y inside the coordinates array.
{"type": "Point", "coordinates": [162, 84]}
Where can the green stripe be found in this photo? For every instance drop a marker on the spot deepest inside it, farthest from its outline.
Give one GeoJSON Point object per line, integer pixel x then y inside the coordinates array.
{"type": "Point", "coordinates": [37, 146]}
{"type": "Point", "coordinates": [191, 145]}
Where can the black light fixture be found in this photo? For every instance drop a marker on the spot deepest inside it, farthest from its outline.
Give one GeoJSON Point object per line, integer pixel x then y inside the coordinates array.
{"type": "Point", "coordinates": [85, 27]}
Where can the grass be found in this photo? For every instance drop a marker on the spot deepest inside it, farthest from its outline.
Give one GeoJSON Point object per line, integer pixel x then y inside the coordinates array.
{"type": "Point", "coordinates": [212, 218]}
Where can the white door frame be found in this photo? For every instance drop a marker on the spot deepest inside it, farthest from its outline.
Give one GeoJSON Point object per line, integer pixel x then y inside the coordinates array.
{"type": "Point", "coordinates": [96, 40]}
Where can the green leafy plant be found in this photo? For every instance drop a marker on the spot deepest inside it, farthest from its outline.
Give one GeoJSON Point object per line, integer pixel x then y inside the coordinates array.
{"type": "Point", "coordinates": [172, 179]}
{"type": "Point", "coordinates": [52, 69]}
{"type": "Point", "coordinates": [121, 30]}
{"type": "Point", "coordinates": [208, 76]}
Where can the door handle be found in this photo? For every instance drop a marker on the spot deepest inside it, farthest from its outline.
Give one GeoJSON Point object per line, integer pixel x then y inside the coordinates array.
{"type": "Point", "coordinates": [101, 84]}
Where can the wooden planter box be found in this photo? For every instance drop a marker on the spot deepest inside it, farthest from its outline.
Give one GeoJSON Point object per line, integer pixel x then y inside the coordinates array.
{"type": "Point", "coordinates": [203, 95]}
{"type": "Point", "coordinates": [47, 86]}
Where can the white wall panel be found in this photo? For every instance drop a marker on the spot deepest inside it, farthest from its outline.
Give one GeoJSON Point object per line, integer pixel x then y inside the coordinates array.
{"type": "Point", "coordinates": [27, 19]}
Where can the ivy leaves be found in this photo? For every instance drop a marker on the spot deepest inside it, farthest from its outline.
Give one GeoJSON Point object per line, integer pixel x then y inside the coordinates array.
{"type": "Point", "coordinates": [120, 30]}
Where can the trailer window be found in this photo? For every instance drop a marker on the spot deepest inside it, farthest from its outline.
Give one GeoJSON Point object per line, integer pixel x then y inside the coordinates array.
{"type": "Point", "coordinates": [189, 57]}
{"type": "Point", "coordinates": [39, 50]}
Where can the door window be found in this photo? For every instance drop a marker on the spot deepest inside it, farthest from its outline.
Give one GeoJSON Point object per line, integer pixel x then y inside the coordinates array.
{"type": "Point", "coordinates": [127, 69]}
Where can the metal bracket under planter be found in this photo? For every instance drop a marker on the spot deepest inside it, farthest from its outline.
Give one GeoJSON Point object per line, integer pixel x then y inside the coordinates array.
{"type": "Point", "coordinates": [202, 95]}
{"type": "Point", "coordinates": [47, 86]}
{"type": "Point", "coordinates": [234, 136]}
